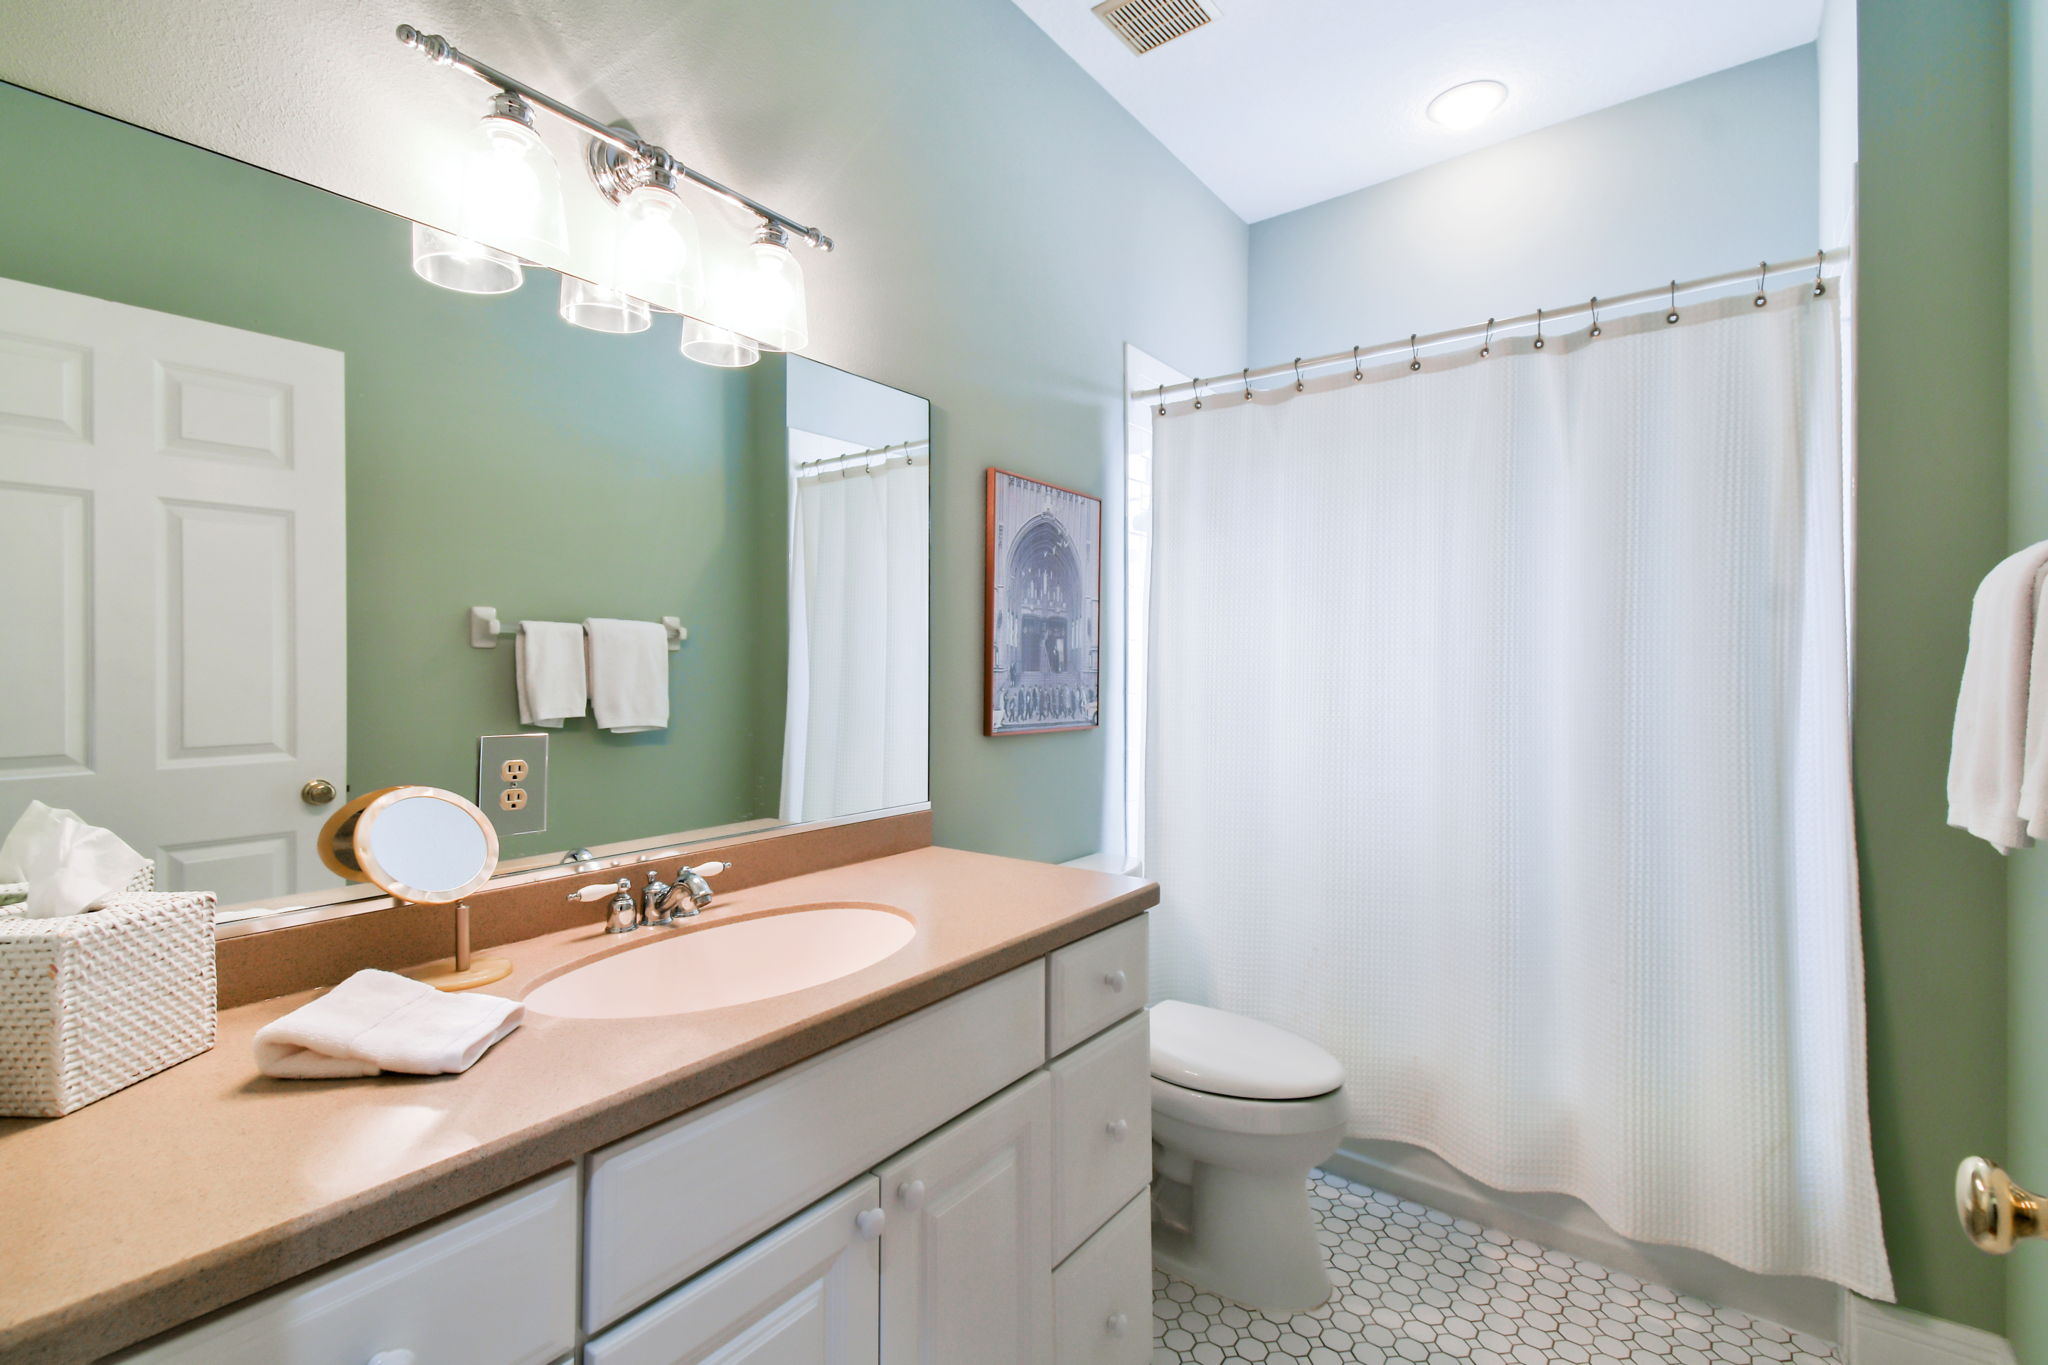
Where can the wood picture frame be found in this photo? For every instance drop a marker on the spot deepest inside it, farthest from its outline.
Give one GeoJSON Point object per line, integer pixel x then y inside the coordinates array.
{"type": "Point", "coordinates": [1042, 608]}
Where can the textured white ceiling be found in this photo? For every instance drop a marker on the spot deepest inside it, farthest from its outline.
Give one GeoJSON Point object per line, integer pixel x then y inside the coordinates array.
{"type": "Point", "coordinates": [1279, 104]}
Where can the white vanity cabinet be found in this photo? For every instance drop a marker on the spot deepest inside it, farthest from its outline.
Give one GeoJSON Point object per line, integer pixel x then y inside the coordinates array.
{"type": "Point", "coordinates": [942, 1190]}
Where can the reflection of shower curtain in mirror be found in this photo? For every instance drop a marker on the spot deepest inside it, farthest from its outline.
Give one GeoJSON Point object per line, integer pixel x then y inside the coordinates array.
{"type": "Point", "coordinates": [859, 579]}
{"type": "Point", "coordinates": [1525, 786]}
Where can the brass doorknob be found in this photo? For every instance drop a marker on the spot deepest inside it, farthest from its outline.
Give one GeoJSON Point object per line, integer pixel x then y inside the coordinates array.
{"type": "Point", "coordinates": [318, 792]}
{"type": "Point", "coordinates": [1996, 1213]}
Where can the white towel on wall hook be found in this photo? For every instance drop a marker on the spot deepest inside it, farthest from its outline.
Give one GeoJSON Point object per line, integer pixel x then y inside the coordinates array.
{"type": "Point", "coordinates": [553, 677]}
{"type": "Point", "coordinates": [628, 674]}
{"type": "Point", "coordinates": [1992, 741]}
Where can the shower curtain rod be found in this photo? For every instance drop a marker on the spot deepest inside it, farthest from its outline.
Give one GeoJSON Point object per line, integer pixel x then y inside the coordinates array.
{"type": "Point", "coordinates": [907, 451]}
{"type": "Point", "coordinates": [1822, 264]}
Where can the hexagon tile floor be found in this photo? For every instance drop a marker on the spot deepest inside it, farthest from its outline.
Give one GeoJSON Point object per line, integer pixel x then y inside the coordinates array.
{"type": "Point", "coordinates": [1416, 1285]}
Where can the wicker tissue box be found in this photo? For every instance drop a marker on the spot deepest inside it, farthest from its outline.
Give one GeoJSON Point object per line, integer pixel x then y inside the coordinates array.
{"type": "Point", "coordinates": [94, 1002]}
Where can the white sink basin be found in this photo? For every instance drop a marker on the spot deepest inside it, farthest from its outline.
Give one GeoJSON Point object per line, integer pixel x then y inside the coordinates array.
{"type": "Point", "coordinates": [726, 964]}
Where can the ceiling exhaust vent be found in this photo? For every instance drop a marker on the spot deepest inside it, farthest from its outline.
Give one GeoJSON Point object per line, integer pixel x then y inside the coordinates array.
{"type": "Point", "coordinates": [1146, 24]}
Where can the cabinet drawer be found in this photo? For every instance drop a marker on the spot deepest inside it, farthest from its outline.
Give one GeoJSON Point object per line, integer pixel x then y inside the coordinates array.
{"type": "Point", "coordinates": [494, 1283]}
{"type": "Point", "coordinates": [1092, 984]}
{"type": "Point", "coordinates": [665, 1203]}
{"type": "Point", "coordinates": [1102, 1130]}
{"type": "Point", "coordinates": [1102, 1294]}
{"type": "Point", "coordinates": [808, 1291]}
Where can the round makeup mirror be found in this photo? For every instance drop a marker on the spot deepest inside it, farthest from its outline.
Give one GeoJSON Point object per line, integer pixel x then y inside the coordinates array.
{"type": "Point", "coordinates": [420, 846]}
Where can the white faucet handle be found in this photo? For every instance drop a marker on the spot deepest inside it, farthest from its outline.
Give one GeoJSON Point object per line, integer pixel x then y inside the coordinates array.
{"type": "Point", "coordinates": [710, 869]}
{"type": "Point", "coordinates": [598, 891]}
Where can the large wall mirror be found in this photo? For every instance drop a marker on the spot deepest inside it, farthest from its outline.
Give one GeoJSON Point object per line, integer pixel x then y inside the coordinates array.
{"type": "Point", "coordinates": [254, 475]}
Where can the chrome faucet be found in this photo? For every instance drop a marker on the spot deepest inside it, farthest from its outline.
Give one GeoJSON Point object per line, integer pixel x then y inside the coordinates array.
{"type": "Point", "coordinates": [691, 892]}
{"type": "Point", "coordinates": [622, 915]}
{"type": "Point", "coordinates": [653, 913]}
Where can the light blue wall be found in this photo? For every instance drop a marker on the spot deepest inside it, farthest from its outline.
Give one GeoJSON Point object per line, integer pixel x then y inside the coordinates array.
{"type": "Point", "coordinates": [1686, 182]}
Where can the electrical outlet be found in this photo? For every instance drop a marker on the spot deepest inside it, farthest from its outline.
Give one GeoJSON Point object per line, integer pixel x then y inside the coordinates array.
{"type": "Point", "coordinates": [512, 782]}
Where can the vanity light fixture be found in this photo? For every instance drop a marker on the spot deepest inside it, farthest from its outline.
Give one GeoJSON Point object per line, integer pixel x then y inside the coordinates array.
{"type": "Point", "coordinates": [603, 310]}
{"type": "Point", "coordinates": [511, 191]}
{"type": "Point", "coordinates": [658, 254]}
{"type": "Point", "coordinates": [512, 210]}
{"type": "Point", "coordinates": [462, 265]}
{"type": "Point", "coordinates": [768, 294]}
{"type": "Point", "coordinates": [709, 344]}
{"type": "Point", "coordinates": [1467, 106]}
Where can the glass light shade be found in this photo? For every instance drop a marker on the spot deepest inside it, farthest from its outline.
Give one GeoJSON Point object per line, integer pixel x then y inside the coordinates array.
{"type": "Point", "coordinates": [1468, 105]}
{"type": "Point", "coordinates": [658, 257]}
{"type": "Point", "coordinates": [457, 263]}
{"type": "Point", "coordinates": [601, 309]}
{"type": "Point", "coordinates": [511, 191]}
{"type": "Point", "coordinates": [768, 296]}
{"type": "Point", "coordinates": [709, 344]}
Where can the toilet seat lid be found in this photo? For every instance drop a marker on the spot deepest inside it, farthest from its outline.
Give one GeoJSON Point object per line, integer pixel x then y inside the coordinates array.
{"type": "Point", "coordinates": [1227, 1054]}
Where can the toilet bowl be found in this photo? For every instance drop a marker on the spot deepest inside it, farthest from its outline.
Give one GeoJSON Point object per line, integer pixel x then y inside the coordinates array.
{"type": "Point", "coordinates": [1241, 1112]}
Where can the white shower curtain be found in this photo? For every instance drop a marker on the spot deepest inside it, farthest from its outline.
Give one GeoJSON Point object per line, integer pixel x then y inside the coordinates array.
{"type": "Point", "coordinates": [1499, 742]}
{"type": "Point", "coordinates": [859, 576]}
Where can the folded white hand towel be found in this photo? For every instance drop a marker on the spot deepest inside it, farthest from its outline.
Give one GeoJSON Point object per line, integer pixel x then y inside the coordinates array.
{"type": "Point", "coordinates": [548, 660]}
{"type": "Point", "coordinates": [1987, 759]}
{"type": "Point", "coordinates": [628, 674]}
{"type": "Point", "coordinates": [380, 1021]}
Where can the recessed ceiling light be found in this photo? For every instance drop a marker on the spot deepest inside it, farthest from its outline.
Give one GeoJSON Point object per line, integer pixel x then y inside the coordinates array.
{"type": "Point", "coordinates": [1468, 105]}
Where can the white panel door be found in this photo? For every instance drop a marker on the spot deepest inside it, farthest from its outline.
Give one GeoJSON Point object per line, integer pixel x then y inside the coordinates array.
{"type": "Point", "coordinates": [172, 633]}
{"type": "Point", "coordinates": [967, 1251]}
{"type": "Point", "coordinates": [804, 1294]}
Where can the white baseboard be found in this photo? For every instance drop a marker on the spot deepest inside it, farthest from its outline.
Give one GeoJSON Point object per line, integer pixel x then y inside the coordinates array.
{"type": "Point", "coordinates": [1555, 1220]}
{"type": "Point", "coordinates": [1881, 1334]}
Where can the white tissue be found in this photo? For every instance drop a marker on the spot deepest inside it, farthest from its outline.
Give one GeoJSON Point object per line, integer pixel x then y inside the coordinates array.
{"type": "Point", "coordinates": [67, 863]}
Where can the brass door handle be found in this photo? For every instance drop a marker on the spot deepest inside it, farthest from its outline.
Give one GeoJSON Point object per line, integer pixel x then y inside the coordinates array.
{"type": "Point", "coordinates": [1996, 1213]}
{"type": "Point", "coordinates": [318, 792]}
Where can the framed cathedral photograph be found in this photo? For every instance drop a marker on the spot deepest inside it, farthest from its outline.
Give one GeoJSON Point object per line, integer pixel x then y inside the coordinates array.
{"type": "Point", "coordinates": [1042, 653]}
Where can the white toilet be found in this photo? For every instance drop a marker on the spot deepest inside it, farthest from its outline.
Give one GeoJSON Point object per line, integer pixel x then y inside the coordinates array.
{"type": "Point", "coordinates": [1241, 1112]}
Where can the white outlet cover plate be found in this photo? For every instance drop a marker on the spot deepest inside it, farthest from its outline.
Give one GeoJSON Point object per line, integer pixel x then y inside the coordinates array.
{"type": "Point", "coordinates": [493, 752]}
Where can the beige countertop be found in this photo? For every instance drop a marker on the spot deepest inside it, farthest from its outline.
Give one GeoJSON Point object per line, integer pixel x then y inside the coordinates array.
{"type": "Point", "coordinates": [208, 1183]}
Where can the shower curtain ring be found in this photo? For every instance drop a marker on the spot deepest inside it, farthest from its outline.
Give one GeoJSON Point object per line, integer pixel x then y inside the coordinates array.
{"type": "Point", "coordinates": [1539, 329]}
{"type": "Point", "coordinates": [1198, 395]}
{"type": "Point", "coordinates": [1595, 306]}
{"type": "Point", "coordinates": [1486, 346]}
{"type": "Point", "coordinates": [1414, 360]}
{"type": "Point", "coordinates": [1162, 400]}
{"type": "Point", "coordinates": [1820, 286]}
{"type": "Point", "coordinates": [1356, 373]}
{"type": "Point", "coordinates": [1297, 375]}
{"type": "Point", "coordinates": [1672, 316]}
{"type": "Point", "coordinates": [1763, 272]}
{"type": "Point", "coordinates": [1247, 386]}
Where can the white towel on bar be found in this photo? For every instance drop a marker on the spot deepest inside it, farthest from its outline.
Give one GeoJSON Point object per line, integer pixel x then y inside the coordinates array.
{"type": "Point", "coordinates": [628, 674]}
{"type": "Point", "coordinates": [1987, 759]}
{"type": "Point", "coordinates": [380, 1021]}
{"type": "Point", "coordinates": [2034, 767]}
{"type": "Point", "coordinates": [548, 659]}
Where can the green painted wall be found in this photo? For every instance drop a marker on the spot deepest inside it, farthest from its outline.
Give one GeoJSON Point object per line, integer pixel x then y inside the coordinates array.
{"type": "Point", "coordinates": [2027, 1147]}
{"type": "Point", "coordinates": [1931, 507]}
{"type": "Point", "coordinates": [495, 455]}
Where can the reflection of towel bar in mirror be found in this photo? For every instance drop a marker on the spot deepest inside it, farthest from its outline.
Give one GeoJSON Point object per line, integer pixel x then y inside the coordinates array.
{"type": "Point", "coordinates": [485, 630]}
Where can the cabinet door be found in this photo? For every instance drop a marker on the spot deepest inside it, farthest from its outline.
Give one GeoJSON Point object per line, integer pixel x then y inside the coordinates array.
{"type": "Point", "coordinates": [804, 1294]}
{"type": "Point", "coordinates": [1102, 1130]}
{"type": "Point", "coordinates": [1102, 1294]}
{"type": "Point", "coordinates": [967, 1253]}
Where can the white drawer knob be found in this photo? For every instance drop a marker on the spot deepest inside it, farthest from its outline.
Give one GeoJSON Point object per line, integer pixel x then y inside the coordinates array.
{"type": "Point", "coordinates": [910, 1194]}
{"type": "Point", "coordinates": [1118, 1323]}
{"type": "Point", "coordinates": [392, 1358]}
{"type": "Point", "coordinates": [1118, 1129]}
{"type": "Point", "coordinates": [868, 1223]}
{"type": "Point", "coordinates": [1115, 980]}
